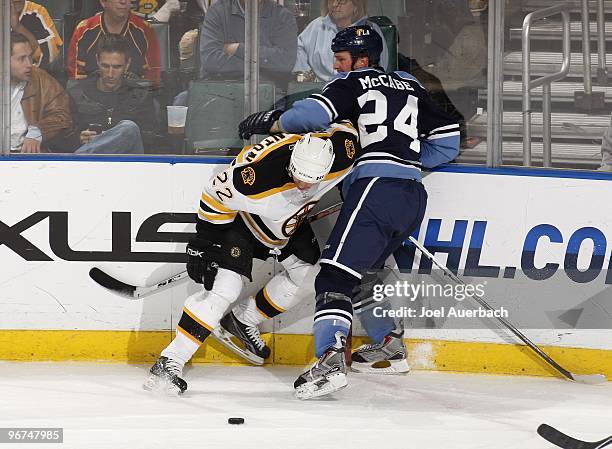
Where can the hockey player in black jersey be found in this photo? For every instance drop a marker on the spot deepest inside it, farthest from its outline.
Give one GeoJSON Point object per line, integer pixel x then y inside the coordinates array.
{"type": "Point", "coordinates": [256, 208]}
{"type": "Point", "coordinates": [401, 131]}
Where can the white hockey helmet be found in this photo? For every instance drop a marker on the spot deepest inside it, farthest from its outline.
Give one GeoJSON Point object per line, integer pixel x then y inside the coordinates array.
{"type": "Point", "coordinates": [311, 159]}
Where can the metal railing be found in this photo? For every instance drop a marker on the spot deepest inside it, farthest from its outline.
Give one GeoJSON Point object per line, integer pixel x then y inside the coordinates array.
{"type": "Point", "coordinates": [251, 59]}
{"type": "Point", "coordinates": [588, 100]}
{"type": "Point", "coordinates": [602, 69]}
{"type": "Point", "coordinates": [586, 47]}
{"type": "Point", "coordinates": [495, 84]}
{"type": "Point", "coordinates": [545, 81]}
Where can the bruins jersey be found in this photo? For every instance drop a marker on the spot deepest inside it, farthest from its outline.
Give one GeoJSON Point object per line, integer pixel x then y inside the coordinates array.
{"type": "Point", "coordinates": [258, 187]}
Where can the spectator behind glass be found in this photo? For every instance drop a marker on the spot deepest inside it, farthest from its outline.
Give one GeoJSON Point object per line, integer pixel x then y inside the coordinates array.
{"type": "Point", "coordinates": [34, 22]}
{"type": "Point", "coordinates": [39, 105]}
{"type": "Point", "coordinates": [116, 19]}
{"type": "Point", "coordinates": [314, 43]}
{"type": "Point", "coordinates": [110, 112]}
{"type": "Point", "coordinates": [461, 41]}
{"type": "Point", "coordinates": [222, 41]}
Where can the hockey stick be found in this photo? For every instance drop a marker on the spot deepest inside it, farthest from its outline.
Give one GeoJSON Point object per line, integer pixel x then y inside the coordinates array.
{"type": "Point", "coordinates": [582, 378]}
{"type": "Point", "coordinates": [132, 291]}
{"type": "Point", "coordinates": [137, 292]}
{"type": "Point", "coordinates": [566, 442]}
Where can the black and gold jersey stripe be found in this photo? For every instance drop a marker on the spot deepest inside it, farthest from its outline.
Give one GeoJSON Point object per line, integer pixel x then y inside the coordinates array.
{"type": "Point", "coordinates": [268, 174]}
{"type": "Point", "coordinates": [213, 211]}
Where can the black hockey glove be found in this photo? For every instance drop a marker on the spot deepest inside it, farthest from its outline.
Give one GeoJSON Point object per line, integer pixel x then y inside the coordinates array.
{"type": "Point", "coordinates": [201, 265]}
{"type": "Point", "coordinates": [258, 123]}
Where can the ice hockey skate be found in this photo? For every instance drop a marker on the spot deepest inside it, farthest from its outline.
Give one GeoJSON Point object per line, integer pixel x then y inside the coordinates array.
{"type": "Point", "coordinates": [386, 357]}
{"type": "Point", "coordinates": [328, 374]}
{"type": "Point", "coordinates": [165, 377]}
{"type": "Point", "coordinates": [252, 348]}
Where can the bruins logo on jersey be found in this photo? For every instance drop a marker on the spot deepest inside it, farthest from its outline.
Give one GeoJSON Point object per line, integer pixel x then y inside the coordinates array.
{"type": "Point", "coordinates": [248, 176]}
{"type": "Point", "coordinates": [235, 252]}
{"type": "Point", "coordinates": [293, 223]}
{"type": "Point", "coordinates": [349, 146]}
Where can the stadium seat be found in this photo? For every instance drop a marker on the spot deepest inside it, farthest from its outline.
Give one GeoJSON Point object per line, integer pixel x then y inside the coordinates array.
{"type": "Point", "coordinates": [215, 109]}
{"type": "Point", "coordinates": [299, 91]}
{"type": "Point", "coordinates": [388, 8]}
{"type": "Point", "coordinates": [162, 30]}
{"type": "Point", "coordinates": [391, 37]}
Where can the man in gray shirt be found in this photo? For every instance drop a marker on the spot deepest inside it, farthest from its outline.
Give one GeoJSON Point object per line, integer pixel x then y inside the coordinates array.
{"type": "Point", "coordinates": [222, 41]}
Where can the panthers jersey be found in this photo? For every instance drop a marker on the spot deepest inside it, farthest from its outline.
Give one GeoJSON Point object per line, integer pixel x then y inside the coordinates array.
{"type": "Point", "coordinates": [258, 186]}
{"type": "Point", "coordinates": [400, 128]}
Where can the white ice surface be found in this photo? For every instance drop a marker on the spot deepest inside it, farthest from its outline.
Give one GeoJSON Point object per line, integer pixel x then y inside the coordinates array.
{"type": "Point", "coordinates": [103, 406]}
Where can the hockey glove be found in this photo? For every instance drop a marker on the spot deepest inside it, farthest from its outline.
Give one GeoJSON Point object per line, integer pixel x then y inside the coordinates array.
{"type": "Point", "coordinates": [258, 123]}
{"type": "Point", "coordinates": [201, 266]}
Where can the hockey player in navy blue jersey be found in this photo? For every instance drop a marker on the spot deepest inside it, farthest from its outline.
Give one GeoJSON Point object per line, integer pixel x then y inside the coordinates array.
{"type": "Point", "coordinates": [401, 130]}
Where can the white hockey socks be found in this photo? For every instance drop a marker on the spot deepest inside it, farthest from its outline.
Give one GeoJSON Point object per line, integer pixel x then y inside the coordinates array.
{"type": "Point", "coordinates": [202, 313]}
{"type": "Point", "coordinates": [281, 293]}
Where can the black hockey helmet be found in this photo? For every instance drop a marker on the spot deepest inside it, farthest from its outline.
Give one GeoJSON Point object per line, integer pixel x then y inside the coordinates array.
{"type": "Point", "coordinates": [359, 40]}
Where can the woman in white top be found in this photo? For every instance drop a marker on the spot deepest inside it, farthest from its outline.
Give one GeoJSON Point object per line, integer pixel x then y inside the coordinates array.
{"type": "Point", "coordinates": [314, 43]}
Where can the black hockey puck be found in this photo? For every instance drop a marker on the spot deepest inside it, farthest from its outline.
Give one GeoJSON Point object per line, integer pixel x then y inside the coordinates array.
{"type": "Point", "coordinates": [235, 421]}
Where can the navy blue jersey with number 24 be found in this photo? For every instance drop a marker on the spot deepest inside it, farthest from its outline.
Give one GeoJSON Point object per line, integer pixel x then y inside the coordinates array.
{"type": "Point", "coordinates": [400, 128]}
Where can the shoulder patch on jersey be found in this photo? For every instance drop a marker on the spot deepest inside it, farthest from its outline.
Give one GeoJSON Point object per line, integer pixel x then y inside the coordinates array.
{"type": "Point", "coordinates": [349, 146]}
{"type": "Point", "coordinates": [248, 176]}
{"type": "Point", "coordinates": [408, 76]}
{"type": "Point", "coordinates": [338, 76]}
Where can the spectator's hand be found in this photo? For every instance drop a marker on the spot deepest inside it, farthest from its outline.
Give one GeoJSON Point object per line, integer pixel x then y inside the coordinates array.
{"type": "Point", "coordinates": [86, 136]}
{"type": "Point", "coordinates": [231, 49]}
{"type": "Point", "coordinates": [30, 146]}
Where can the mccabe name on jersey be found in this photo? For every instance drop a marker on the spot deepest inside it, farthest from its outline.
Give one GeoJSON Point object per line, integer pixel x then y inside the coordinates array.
{"type": "Point", "coordinates": [400, 128]}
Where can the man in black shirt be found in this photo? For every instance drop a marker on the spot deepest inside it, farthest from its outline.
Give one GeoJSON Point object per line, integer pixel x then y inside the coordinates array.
{"type": "Point", "coordinates": [112, 114]}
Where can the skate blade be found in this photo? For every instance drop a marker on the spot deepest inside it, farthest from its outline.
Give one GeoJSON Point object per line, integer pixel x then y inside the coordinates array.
{"type": "Point", "coordinates": [224, 337]}
{"type": "Point", "coordinates": [156, 384]}
{"type": "Point", "coordinates": [335, 382]}
{"type": "Point", "coordinates": [382, 367]}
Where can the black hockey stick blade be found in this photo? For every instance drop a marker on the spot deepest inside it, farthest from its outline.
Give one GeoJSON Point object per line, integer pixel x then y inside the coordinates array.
{"type": "Point", "coordinates": [110, 283]}
{"type": "Point", "coordinates": [566, 442]}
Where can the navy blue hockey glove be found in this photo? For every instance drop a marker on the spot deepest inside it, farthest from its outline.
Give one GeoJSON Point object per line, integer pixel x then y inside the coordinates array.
{"type": "Point", "coordinates": [258, 123]}
{"type": "Point", "coordinates": [201, 265]}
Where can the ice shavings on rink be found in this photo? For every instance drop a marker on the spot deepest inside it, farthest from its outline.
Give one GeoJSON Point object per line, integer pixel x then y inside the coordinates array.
{"type": "Point", "coordinates": [104, 406]}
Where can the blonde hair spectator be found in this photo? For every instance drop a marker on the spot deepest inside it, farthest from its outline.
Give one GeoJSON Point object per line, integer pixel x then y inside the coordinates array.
{"type": "Point", "coordinates": [315, 59]}
{"type": "Point", "coordinates": [360, 7]}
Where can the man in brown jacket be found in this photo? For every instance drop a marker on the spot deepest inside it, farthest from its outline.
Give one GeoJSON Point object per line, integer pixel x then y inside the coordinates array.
{"type": "Point", "coordinates": [39, 105]}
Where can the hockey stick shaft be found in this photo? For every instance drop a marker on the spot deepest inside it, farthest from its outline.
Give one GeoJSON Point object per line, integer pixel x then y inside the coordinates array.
{"type": "Point", "coordinates": [480, 300]}
{"type": "Point", "coordinates": [325, 212]}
